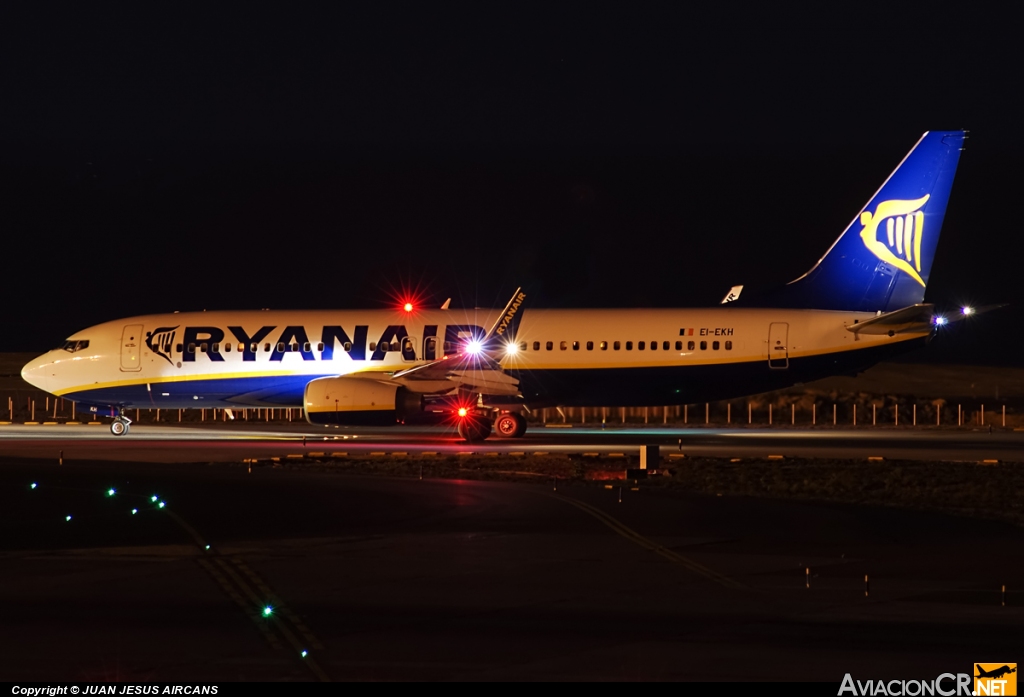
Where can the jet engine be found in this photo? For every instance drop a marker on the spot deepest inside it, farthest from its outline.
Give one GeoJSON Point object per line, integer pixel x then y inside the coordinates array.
{"type": "Point", "coordinates": [358, 402]}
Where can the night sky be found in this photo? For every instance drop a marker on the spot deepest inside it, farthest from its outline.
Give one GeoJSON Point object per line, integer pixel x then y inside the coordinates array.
{"type": "Point", "coordinates": [164, 160]}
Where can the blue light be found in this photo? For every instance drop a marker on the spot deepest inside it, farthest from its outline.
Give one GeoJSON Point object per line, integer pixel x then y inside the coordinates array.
{"type": "Point", "coordinates": [940, 320]}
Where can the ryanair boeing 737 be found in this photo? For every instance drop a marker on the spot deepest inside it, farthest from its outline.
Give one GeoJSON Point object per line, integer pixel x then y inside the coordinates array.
{"type": "Point", "coordinates": [861, 303]}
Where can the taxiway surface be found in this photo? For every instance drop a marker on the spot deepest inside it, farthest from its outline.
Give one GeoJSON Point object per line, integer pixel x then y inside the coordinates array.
{"type": "Point", "coordinates": [228, 442]}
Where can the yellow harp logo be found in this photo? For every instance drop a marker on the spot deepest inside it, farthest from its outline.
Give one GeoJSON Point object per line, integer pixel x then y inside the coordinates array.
{"type": "Point", "coordinates": [904, 228]}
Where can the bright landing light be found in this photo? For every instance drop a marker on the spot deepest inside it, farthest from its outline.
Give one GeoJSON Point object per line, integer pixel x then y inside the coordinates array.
{"type": "Point", "coordinates": [939, 321]}
{"type": "Point", "coordinates": [408, 307]}
{"type": "Point", "coordinates": [967, 311]}
{"type": "Point", "coordinates": [511, 348]}
{"type": "Point", "coordinates": [474, 347]}
{"type": "Point", "coordinates": [463, 411]}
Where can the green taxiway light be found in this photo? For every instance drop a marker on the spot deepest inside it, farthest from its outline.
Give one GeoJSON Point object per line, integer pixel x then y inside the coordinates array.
{"type": "Point", "coordinates": [134, 511]}
{"type": "Point", "coordinates": [207, 546]}
{"type": "Point", "coordinates": [111, 492]}
{"type": "Point", "coordinates": [161, 504]}
{"type": "Point", "coordinates": [153, 498]}
{"type": "Point", "coordinates": [33, 485]}
{"type": "Point", "coordinates": [268, 611]}
{"type": "Point", "coordinates": [67, 519]}
{"type": "Point", "coordinates": [303, 653]}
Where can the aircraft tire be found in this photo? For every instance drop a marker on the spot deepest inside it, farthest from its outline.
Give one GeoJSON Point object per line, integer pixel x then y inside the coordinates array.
{"type": "Point", "coordinates": [474, 430]}
{"type": "Point", "coordinates": [119, 427]}
{"type": "Point", "coordinates": [510, 425]}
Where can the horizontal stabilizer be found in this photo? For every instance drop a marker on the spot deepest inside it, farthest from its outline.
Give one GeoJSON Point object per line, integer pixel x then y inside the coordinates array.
{"type": "Point", "coordinates": [914, 318]}
{"type": "Point", "coordinates": [733, 294]}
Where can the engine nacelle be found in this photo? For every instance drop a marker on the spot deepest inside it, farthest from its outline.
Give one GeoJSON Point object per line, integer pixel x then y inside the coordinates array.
{"type": "Point", "coordinates": [358, 402]}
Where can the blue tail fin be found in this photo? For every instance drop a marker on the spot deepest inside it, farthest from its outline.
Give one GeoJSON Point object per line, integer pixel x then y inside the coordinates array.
{"type": "Point", "coordinates": [883, 259]}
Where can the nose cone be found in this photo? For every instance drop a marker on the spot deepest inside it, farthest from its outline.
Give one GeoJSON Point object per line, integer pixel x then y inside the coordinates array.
{"type": "Point", "coordinates": [38, 373]}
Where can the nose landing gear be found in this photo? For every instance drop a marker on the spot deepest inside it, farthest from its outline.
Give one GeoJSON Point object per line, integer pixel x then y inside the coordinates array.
{"type": "Point", "coordinates": [120, 425]}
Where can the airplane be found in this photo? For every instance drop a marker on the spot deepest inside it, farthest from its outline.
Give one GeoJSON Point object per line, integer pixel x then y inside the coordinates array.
{"type": "Point", "coordinates": [995, 672]}
{"type": "Point", "coordinates": [861, 303]}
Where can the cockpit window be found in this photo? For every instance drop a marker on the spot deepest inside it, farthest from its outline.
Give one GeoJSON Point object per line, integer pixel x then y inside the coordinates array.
{"type": "Point", "coordinates": [72, 346]}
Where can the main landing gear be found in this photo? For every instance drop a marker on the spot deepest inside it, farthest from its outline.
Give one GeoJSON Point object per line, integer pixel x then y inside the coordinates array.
{"type": "Point", "coordinates": [120, 425]}
{"type": "Point", "coordinates": [475, 426]}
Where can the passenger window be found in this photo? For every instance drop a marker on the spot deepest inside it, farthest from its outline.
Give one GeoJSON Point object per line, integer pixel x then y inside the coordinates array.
{"type": "Point", "coordinates": [320, 347]}
{"type": "Point", "coordinates": [448, 347]}
{"type": "Point", "coordinates": [664, 345]}
{"type": "Point", "coordinates": [347, 346]}
{"type": "Point", "coordinates": [522, 346]}
{"type": "Point", "coordinates": [616, 346]}
{"type": "Point", "coordinates": [179, 347]}
{"type": "Point", "coordinates": [253, 348]}
{"type": "Point", "coordinates": [714, 345]}
{"type": "Point", "coordinates": [550, 345]}
{"type": "Point", "coordinates": [295, 347]}
{"type": "Point", "coordinates": [703, 346]}
{"type": "Point", "coordinates": [590, 345]}
{"type": "Point", "coordinates": [679, 346]}
{"type": "Point", "coordinates": [306, 348]}
{"type": "Point", "coordinates": [266, 346]}
{"type": "Point", "coordinates": [728, 346]}
{"type": "Point", "coordinates": [689, 345]}
{"type": "Point", "coordinates": [629, 345]}
{"type": "Point", "coordinates": [536, 346]}
{"type": "Point", "coordinates": [575, 346]}
{"type": "Point", "coordinates": [604, 345]}
{"type": "Point", "coordinates": [383, 347]}
{"type": "Point", "coordinates": [562, 345]}
{"type": "Point", "coordinates": [227, 348]}
{"type": "Point", "coordinates": [640, 345]}
{"type": "Point", "coordinates": [204, 347]}
{"type": "Point", "coordinates": [191, 348]}
{"type": "Point", "coordinates": [654, 345]}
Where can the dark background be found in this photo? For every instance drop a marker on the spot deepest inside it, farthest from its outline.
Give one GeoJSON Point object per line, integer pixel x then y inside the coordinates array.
{"type": "Point", "coordinates": [164, 159]}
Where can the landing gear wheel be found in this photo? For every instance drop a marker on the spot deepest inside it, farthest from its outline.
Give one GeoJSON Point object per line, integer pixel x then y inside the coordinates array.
{"type": "Point", "coordinates": [474, 429]}
{"type": "Point", "coordinates": [119, 427]}
{"type": "Point", "coordinates": [510, 425]}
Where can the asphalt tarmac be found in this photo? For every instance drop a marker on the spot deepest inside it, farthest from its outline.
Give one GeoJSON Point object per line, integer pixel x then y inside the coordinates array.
{"type": "Point", "coordinates": [220, 442]}
{"type": "Point", "coordinates": [405, 579]}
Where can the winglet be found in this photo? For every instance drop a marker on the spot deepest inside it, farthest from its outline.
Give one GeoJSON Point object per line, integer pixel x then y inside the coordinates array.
{"type": "Point", "coordinates": [507, 324]}
{"type": "Point", "coordinates": [446, 304]}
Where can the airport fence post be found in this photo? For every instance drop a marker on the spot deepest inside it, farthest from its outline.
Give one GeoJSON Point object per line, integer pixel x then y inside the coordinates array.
{"type": "Point", "coordinates": [769, 414]}
{"type": "Point", "coordinates": [138, 416]}
{"type": "Point", "coordinates": [814, 414]}
{"type": "Point", "coordinates": [60, 458]}
{"type": "Point", "coordinates": [203, 413]}
{"type": "Point", "coordinates": [179, 416]}
{"type": "Point", "coordinates": [834, 422]}
{"type": "Point", "coordinates": [807, 577]}
{"type": "Point", "coordinates": [686, 414]}
{"type": "Point", "coordinates": [750, 413]}
{"type": "Point", "coordinates": [793, 414]}
{"type": "Point", "coordinates": [959, 415]}
{"type": "Point", "coordinates": [1004, 416]}
{"type": "Point", "coordinates": [544, 415]}
{"type": "Point", "coordinates": [46, 409]}
{"type": "Point", "coordinates": [583, 415]}
{"type": "Point", "coordinates": [647, 411]}
{"type": "Point", "coordinates": [867, 586]}
{"type": "Point", "coordinates": [938, 414]}
{"type": "Point", "coordinates": [622, 411]}
{"type": "Point", "coordinates": [55, 409]}
{"type": "Point", "coordinates": [896, 408]}
{"type": "Point", "coordinates": [707, 413]}
{"type": "Point", "coordinates": [158, 415]}
{"type": "Point", "coordinates": [33, 410]}
{"type": "Point", "coordinates": [874, 414]}
{"type": "Point", "coordinates": [855, 414]}
{"type": "Point", "coordinates": [982, 414]}
{"type": "Point", "coordinates": [728, 413]}
{"type": "Point", "coordinates": [914, 411]}
{"type": "Point", "coordinates": [1003, 597]}
{"type": "Point", "coordinates": [73, 405]}
{"type": "Point", "coordinates": [664, 415]}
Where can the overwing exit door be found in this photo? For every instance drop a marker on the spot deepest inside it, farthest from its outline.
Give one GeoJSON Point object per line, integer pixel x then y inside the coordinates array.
{"type": "Point", "coordinates": [778, 345]}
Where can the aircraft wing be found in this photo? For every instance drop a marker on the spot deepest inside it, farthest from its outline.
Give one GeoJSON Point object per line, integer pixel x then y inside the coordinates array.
{"type": "Point", "coordinates": [477, 369]}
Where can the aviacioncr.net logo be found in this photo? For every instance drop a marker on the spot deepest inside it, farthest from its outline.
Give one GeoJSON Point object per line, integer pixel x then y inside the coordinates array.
{"type": "Point", "coordinates": [946, 685]}
{"type": "Point", "coordinates": [995, 679]}
{"type": "Point", "coordinates": [902, 225]}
